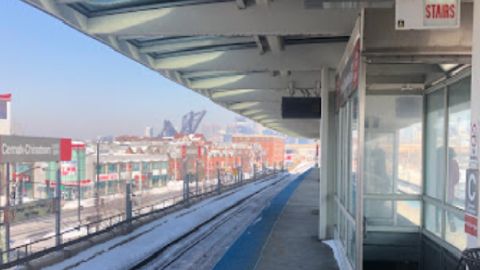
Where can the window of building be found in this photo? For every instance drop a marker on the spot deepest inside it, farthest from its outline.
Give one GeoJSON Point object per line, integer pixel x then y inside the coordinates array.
{"type": "Point", "coordinates": [112, 168]}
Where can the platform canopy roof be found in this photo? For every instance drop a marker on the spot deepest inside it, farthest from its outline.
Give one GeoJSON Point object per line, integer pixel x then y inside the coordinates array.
{"type": "Point", "coordinates": [243, 55]}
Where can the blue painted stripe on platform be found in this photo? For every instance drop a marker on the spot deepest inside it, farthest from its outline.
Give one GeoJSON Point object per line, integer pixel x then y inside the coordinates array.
{"type": "Point", "coordinates": [244, 253]}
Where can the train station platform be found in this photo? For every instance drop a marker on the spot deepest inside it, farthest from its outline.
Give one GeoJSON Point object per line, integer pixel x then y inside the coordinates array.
{"type": "Point", "coordinates": [285, 234]}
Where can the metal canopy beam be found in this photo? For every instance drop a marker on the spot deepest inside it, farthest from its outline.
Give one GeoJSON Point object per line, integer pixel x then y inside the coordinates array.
{"type": "Point", "coordinates": [402, 69]}
{"type": "Point", "coordinates": [301, 80]}
{"type": "Point", "coordinates": [281, 17]}
{"type": "Point", "coordinates": [241, 95]}
{"type": "Point", "coordinates": [396, 79]}
{"type": "Point", "coordinates": [294, 57]}
{"type": "Point", "coordinates": [161, 47]}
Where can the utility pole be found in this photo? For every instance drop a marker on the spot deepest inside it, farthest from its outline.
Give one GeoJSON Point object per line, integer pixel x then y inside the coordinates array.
{"type": "Point", "coordinates": [197, 171]}
{"type": "Point", "coordinates": [128, 194]}
{"type": "Point", "coordinates": [119, 173]}
{"type": "Point", "coordinates": [97, 185]}
{"type": "Point", "coordinates": [207, 172]}
{"type": "Point", "coordinates": [241, 170]}
{"type": "Point", "coordinates": [8, 214]}
{"type": "Point", "coordinates": [175, 168]}
{"type": "Point", "coordinates": [186, 188]}
{"type": "Point", "coordinates": [128, 202]}
{"type": "Point", "coordinates": [79, 189]}
{"type": "Point", "coordinates": [2, 234]}
{"type": "Point", "coordinates": [186, 181]}
{"type": "Point", "coordinates": [19, 180]}
{"type": "Point", "coordinates": [140, 182]}
{"type": "Point", "coordinates": [58, 204]}
{"type": "Point", "coordinates": [219, 182]}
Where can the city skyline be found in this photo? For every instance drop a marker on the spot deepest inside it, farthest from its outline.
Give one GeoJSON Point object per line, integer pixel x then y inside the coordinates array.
{"type": "Point", "coordinates": [92, 98]}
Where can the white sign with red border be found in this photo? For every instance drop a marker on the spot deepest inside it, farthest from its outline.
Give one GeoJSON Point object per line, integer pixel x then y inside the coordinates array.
{"type": "Point", "coordinates": [427, 14]}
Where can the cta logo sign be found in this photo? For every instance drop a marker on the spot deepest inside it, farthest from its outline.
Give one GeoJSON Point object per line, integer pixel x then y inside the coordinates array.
{"type": "Point", "coordinates": [441, 13]}
{"type": "Point", "coordinates": [471, 202]}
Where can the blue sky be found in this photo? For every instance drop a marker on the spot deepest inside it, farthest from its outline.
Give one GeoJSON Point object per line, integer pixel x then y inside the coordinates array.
{"type": "Point", "coordinates": [67, 84]}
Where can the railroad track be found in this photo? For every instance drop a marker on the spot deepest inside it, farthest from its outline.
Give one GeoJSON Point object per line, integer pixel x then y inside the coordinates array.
{"type": "Point", "coordinates": [170, 253]}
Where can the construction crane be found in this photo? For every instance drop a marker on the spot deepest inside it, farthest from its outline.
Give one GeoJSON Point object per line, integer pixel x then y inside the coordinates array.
{"type": "Point", "coordinates": [168, 129]}
{"type": "Point", "coordinates": [190, 123]}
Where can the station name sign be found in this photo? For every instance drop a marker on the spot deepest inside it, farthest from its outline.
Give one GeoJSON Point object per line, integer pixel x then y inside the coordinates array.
{"type": "Point", "coordinates": [34, 149]}
{"type": "Point", "coordinates": [427, 14]}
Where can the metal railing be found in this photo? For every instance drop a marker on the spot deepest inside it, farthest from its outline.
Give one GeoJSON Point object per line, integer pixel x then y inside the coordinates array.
{"type": "Point", "coordinates": [30, 251]}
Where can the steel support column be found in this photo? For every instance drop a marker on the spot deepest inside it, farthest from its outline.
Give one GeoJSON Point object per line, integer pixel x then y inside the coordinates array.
{"type": "Point", "coordinates": [475, 101]}
{"type": "Point", "coordinates": [325, 207]}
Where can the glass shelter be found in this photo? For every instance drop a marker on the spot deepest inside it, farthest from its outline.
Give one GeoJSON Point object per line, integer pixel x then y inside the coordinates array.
{"type": "Point", "coordinates": [400, 127]}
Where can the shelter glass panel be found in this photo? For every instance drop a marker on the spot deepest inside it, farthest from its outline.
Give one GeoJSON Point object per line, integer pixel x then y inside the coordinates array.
{"type": "Point", "coordinates": [435, 144]}
{"type": "Point", "coordinates": [447, 158]}
{"type": "Point", "coordinates": [433, 219]}
{"type": "Point", "coordinates": [393, 145]}
{"type": "Point", "coordinates": [343, 230]}
{"type": "Point", "coordinates": [405, 213]}
{"type": "Point", "coordinates": [379, 212]}
{"type": "Point", "coordinates": [455, 233]}
{"type": "Point", "coordinates": [408, 213]}
{"type": "Point", "coordinates": [352, 185]}
{"type": "Point", "coordinates": [458, 141]}
{"type": "Point", "coordinates": [351, 245]}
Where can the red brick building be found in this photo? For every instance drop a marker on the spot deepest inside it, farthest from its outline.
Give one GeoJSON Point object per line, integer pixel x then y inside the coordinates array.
{"type": "Point", "coordinates": [209, 157]}
{"type": "Point", "coordinates": [273, 146]}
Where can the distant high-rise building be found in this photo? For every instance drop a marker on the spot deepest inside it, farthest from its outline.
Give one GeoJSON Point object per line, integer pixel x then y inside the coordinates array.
{"type": "Point", "coordinates": [149, 132]}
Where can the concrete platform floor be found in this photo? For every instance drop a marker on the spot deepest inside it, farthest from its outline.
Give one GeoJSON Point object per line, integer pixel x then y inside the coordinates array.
{"type": "Point", "coordinates": [293, 242]}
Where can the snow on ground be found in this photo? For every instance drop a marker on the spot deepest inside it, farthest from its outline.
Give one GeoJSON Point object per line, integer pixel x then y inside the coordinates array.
{"type": "Point", "coordinates": [90, 202]}
{"type": "Point", "coordinates": [171, 186]}
{"type": "Point", "coordinates": [125, 251]}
